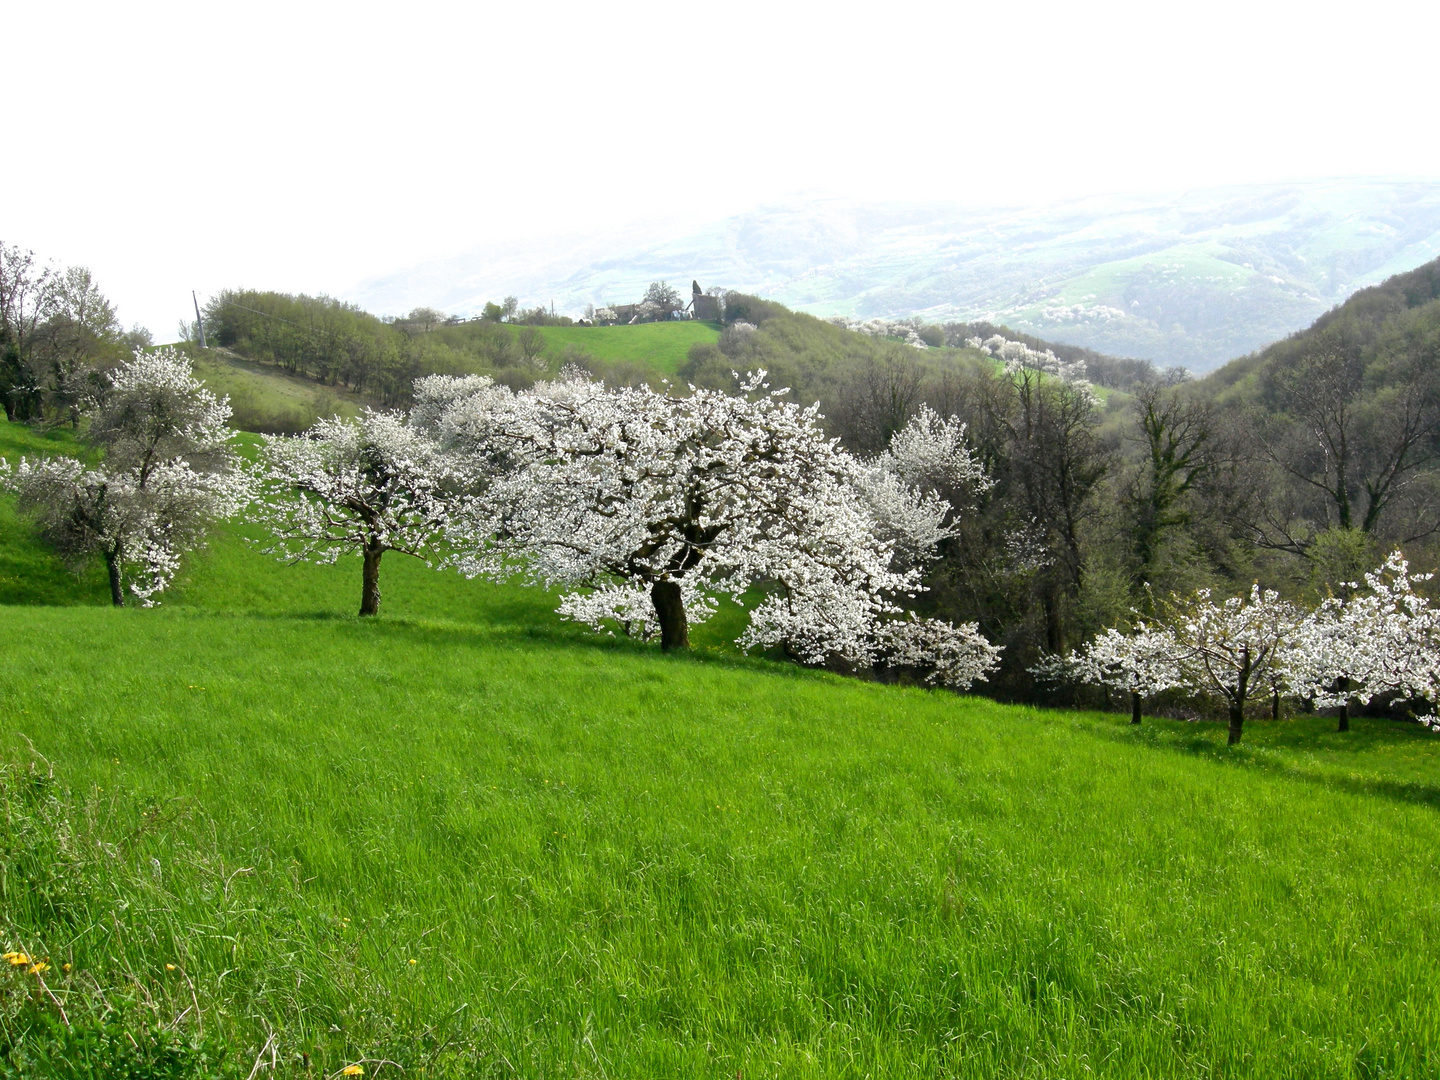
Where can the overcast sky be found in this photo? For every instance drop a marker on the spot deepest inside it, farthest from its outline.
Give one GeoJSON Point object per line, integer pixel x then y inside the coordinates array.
{"type": "Point", "coordinates": [305, 146]}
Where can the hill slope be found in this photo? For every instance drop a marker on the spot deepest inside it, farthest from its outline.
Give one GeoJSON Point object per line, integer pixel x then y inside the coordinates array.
{"type": "Point", "coordinates": [266, 398]}
{"type": "Point", "coordinates": [471, 839]}
{"type": "Point", "coordinates": [1400, 314]}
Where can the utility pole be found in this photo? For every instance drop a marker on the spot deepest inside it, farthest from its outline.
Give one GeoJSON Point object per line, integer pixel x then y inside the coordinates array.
{"type": "Point", "coordinates": [199, 322]}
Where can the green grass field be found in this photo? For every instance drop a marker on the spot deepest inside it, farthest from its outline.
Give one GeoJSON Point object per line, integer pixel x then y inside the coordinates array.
{"type": "Point", "coordinates": [469, 839]}
{"type": "Point", "coordinates": [265, 394]}
{"type": "Point", "coordinates": [661, 346]}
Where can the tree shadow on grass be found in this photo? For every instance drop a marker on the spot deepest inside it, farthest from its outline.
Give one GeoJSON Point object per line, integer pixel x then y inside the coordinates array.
{"type": "Point", "coordinates": [1271, 758]}
{"type": "Point", "coordinates": [562, 635]}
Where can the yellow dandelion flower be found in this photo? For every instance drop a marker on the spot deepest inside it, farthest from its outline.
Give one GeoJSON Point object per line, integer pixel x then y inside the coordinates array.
{"type": "Point", "coordinates": [169, 967]}
{"type": "Point", "coordinates": [39, 967]}
{"type": "Point", "coordinates": [17, 958]}
{"type": "Point", "coordinates": [412, 961]}
{"type": "Point", "coordinates": [64, 967]}
{"type": "Point", "coordinates": [352, 1070]}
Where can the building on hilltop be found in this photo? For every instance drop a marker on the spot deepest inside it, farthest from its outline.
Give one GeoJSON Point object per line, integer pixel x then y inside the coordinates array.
{"type": "Point", "coordinates": [702, 307]}
{"type": "Point", "coordinates": [705, 308]}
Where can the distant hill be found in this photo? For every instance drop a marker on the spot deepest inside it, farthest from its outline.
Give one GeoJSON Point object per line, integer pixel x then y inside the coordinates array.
{"type": "Point", "coordinates": [1194, 278]}
{"type": "Point", "coordinates": [1338, 427]}
{"type": "Point", "coordinates": [1401, 315]}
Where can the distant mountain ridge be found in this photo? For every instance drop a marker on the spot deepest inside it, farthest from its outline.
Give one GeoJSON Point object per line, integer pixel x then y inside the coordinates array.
{"type": "Point", "coordinates": [1194, 279]}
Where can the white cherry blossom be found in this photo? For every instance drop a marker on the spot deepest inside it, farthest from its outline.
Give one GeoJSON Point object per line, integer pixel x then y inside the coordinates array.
{"type": "Point", "coordinates": [168, 473]}
{"type": "Point", "coordinates": [360, 487]}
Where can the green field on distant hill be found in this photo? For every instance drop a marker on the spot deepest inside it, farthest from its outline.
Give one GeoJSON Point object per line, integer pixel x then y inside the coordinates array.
{"type": "Point", "coordinates": [471, 839]}
{"type": "Point", "coordinates": [662, 346]}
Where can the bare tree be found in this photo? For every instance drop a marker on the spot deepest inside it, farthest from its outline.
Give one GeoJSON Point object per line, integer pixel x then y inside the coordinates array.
{"type": "Point", "coordinates": [878, 399]}
{"type": "Point", "coordinates": [26, 296]}
{"type": "Point", "coordinates": [664, 296]}
{"type": "Point", "coordinates": [1175, 438]}
{"type": "Point", "coordinates": [78, 339]}
{"type": "Point", "coordinates": [532, 347]}
{"type": "Point", "coordinates": [1052, 463]}
{"type": "Point", "coordinates": [1356, 453]}
{"type": "Point", "coordinates": [421, 320]}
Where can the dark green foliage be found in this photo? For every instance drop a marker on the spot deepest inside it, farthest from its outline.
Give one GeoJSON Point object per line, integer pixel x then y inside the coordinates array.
{"type": "Point", "coordinates": [324, 339]}
{"type": "Point", "coordinates": [742, 307]}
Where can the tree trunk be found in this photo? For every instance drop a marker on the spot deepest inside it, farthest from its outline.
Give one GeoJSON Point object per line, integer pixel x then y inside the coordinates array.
{"type": "Point", "coordinates": [1054, 623]}
{"type": "Point", "coordinates": [1275, 705]}
{"type": "Point", "coordinates": [1237, 723]}
{"type": "Point", "coordinates": [370, 593]}
{"type": "Point", "coordinates": [1344, 724]}
{"type": "Point", "coordinates": [1134, 708]}
{"type": "Point", "coordinates": [670, 611]}
{"type": "Point", "coordinates": [112, 567]}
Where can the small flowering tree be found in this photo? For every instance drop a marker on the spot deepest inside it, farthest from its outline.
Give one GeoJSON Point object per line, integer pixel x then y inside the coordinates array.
{"type": "Point", "coordinates": [1383, 639]}
{"type": "Point", "coordinates": [1141, 663]}
{"type": "Point", "coordinates": [156, 411]}
{"type": "Point", "coordinates": [1228, 649]}
{"type": "Point", "coordinates": [953, 656]}
{"type": "Point", "coordinates": [912, 486]}
{"type": "Point", "coordinates": [906, 332]}
{"type": "Point", "coordinates": [363, 487]}
{"type": "Point", "coordinates": [168, 472]}
{"type": "Point", "coordinates": [1016, 354]}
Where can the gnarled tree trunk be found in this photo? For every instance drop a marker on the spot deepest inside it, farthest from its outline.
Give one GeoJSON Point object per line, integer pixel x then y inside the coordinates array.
{"type": "Point", "coordinates": [1237, 724]}
{"type": "Point", "coordinates": [370, 591]}
{"type": "Point", "coordinates": [670, 612]}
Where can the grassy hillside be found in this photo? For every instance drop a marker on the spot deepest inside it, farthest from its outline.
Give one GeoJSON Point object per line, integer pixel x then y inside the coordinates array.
{"type": "Point", "coordinates": [472, 840]}
{"type": "Point", "coordinates": [264, 397]}
{"type": "Point", "coordinates": [285, 358]}
{"type": "Point", "coordinates": [660, 346]}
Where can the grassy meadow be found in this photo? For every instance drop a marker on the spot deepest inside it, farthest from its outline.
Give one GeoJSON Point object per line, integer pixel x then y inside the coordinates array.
{"type": "Point", "coordinates": [266, 393]}
{"type": "Point", "coordinates": [662, 346]}
{"type": "Point", "coordinates": [254, 835]}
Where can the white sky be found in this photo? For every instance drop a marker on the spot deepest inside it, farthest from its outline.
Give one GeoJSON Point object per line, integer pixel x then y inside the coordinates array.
{"type": "Point", "coordinates": [305, 146]}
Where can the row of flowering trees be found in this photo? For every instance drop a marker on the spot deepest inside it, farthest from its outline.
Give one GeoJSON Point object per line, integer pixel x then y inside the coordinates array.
{"type": "Point", "coordinates": [646, 509]}
{"type": "Point", "coordinates": [1382, 640]}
